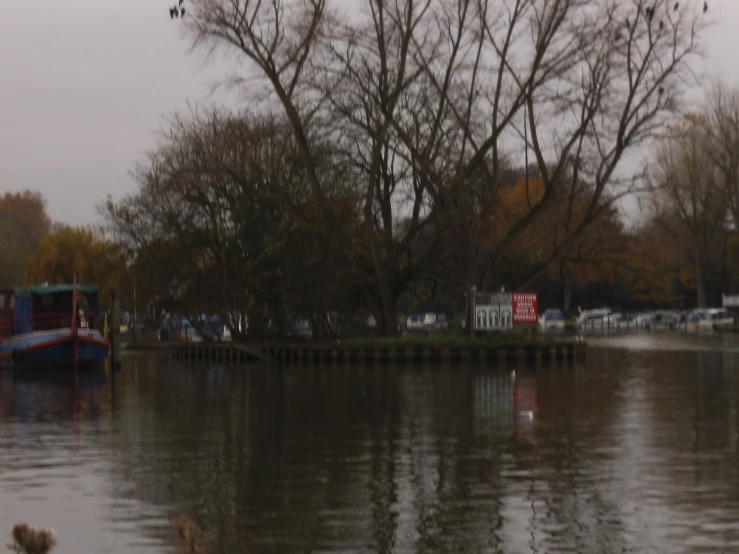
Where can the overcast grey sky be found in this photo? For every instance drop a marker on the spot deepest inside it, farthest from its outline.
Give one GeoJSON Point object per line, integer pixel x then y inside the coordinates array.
{"type": "Point", "coordinates": [84, 85]}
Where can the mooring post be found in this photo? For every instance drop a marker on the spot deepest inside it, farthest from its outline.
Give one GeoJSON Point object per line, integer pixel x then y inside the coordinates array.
{"type": "Point", "coordinates": [115, 330]}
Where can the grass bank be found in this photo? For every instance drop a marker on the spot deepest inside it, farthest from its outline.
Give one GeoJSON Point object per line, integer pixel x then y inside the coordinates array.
{"type": "Point", "coordinates": [447, 340]}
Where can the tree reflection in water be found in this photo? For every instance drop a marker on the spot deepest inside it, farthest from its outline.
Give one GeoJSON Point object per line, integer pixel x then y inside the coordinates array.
{"type": "Point", "coordinates": [382, 459]}
{"type": "Point", "coordinates": [49, 395]}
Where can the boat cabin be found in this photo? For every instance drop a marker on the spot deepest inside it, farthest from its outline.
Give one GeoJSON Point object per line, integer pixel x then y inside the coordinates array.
{"type": "Point", "coordinates": [7, 311]}
{"type": "Point", "coordinates": [45, 307]}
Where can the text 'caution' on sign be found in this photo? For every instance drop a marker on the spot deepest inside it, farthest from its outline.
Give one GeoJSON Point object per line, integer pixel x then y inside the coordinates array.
{"type": "Point", "coordinates": [525, 307]}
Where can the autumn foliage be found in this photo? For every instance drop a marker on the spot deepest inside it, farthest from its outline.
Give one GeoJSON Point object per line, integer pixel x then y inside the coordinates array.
{"type": "Point", "coordinates": [79, 253]}
{"type": "Point", "coordinates": [23, 223]}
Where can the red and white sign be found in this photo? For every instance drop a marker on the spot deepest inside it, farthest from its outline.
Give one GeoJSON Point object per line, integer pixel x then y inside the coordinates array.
{"type": "Point", "coordinates": [525, 307]}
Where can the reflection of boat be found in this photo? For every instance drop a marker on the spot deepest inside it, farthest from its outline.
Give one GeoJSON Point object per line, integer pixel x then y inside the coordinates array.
{"type": "Point", "coordinates": [43, 326]}
{"type": "Point", "coordinates": [61, 394]}
{"type": "Point", "coordinates": [60, 378]}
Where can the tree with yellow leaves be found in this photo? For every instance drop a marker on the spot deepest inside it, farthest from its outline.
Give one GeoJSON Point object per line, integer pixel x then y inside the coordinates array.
{"type": "Point", "coordinates": [23, 223]}
{"type": "Point", "coordinates": [79, 252]}
{"type": "Point", "coordinates": [591, 257]}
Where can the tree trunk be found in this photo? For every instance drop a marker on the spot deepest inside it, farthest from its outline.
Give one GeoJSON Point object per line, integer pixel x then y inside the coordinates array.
{"type": "Point", "coordinates": [700, 286]}
{"type": "Point", "coordinates": [320, 327]}
{"type": "Point", "coordinates": [257, 321]}
{"type": "Point", "coordinates": [331, 330]}
{"type": "Point", "coordinates": [569, 289]}
{"type": "Point", "coordinates": [384, 312]}
{"type": "Point", "coordinates": [475, 278]}
{"type": "Point", "coordinates": [389, 318]}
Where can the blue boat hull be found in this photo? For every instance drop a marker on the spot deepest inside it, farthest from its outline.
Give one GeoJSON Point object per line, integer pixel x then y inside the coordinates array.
{"type": "Point", "coordinates": [54, 349]}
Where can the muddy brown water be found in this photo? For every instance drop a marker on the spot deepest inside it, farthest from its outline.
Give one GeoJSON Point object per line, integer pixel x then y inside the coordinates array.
{"type": "Point", "coordinates": [636, 451]}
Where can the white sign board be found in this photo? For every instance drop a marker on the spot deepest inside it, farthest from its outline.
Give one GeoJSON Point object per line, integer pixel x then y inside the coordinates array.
{"type": "Point", "coordinates": [493, 312]}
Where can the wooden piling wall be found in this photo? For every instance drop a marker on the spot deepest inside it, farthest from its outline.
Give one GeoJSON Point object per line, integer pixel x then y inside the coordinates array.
{"type": "Point", "coordinates": [572, 352]}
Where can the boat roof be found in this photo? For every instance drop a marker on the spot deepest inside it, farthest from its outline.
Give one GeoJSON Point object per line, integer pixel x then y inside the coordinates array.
{"type": "Point", "coordinates": [27, 292]}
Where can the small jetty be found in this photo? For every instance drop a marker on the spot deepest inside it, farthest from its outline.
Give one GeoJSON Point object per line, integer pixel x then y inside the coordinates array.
{"type": "Point", "coordinates": [564, 350]}
{"type": "Point", "coordinates": [233, 352]}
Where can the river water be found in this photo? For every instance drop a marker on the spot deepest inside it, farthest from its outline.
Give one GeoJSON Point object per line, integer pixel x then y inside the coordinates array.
{"type": "Point", "coordinates": [636, 451]}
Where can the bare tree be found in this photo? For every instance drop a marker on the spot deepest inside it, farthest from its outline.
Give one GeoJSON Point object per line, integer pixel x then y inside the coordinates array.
{"type": "Point", "coordinates": [590, 79]}
{"type": "Point", "coordinates": [689, 199]}
{"type": "Point", "coordinates": [721, 121]}
{"type": "Point", "coordinates": [368, 81]}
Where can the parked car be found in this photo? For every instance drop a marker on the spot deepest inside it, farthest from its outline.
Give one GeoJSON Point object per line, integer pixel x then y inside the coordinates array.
{"type": "Point", "coordinates": [181, 328]}
{"type": "Point", "coordinates": [415, 322]}
{"type": "Point", "coordinates": [621, 321]}
{"type": "Point", "coordinates": [300, 328]}
{"type": "Point", "coordinates": [707, 320]}
{"type": "Point", "coordinates": [662, 319]}
{"type": "Point", "coordinates": [593, 318]}
{"type": "Point", "coordinates": [720, 318]}
{"type": "Point", "coordinates": [552, 320]}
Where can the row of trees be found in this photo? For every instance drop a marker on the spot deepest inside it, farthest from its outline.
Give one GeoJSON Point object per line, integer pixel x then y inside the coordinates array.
{"type": "Point", "coordinates": [221, 222]}
{"type": "Point", "coordinates": [33, 249]}
{"type": "Point", "coordinates": [380, 159]}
